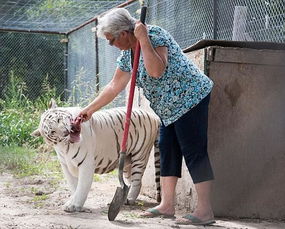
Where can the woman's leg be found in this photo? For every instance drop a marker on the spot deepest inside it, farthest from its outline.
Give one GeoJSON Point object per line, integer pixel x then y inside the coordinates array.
{"type": "Point", "coordinates": [203, 209]}
{"type": "Point", "coordinates": [191, 131]}
{"type": "Point", "coordinates": [170, 170]}
{"type": "Point", "coordinates": [167, 204]}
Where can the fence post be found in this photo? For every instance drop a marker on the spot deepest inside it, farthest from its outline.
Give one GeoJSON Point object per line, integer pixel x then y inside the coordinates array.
{"type": "Point", "coordinates": [65, 66]}
{"type": "Point", "coordinates": [239, 25]}
{"type": "Point", "coordinates": [97, 58]}
{"type": "Point", "coordinates": [214, 19]}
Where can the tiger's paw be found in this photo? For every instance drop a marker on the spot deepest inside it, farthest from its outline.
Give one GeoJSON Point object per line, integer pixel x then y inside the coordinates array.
{"type": "Point", "coordinates": [130, 202]}
{"type": "Point", "coordinates": [73, 208]}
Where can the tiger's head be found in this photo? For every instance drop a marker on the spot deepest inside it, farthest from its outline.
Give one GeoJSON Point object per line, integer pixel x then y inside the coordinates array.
{"type": "Point", "coordinates": [56, 126]}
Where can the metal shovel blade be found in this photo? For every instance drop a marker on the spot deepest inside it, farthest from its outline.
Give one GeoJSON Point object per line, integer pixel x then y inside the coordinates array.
{"type": "Point", "coordinates": [117, 202]}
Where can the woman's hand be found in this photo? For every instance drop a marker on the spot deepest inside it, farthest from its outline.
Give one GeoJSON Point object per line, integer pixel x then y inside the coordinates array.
{"type": "Point", "coordinates": [86, 114]}
{"type": "Point", "coordinates": [140, 32]}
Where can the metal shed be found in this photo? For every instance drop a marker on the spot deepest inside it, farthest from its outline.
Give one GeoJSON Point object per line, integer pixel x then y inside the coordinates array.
{"type": "Point", "coordinates": [246, 126]}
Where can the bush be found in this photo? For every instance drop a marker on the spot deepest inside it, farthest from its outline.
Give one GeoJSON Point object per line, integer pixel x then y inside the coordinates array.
{"type": "Point", "coordinates": [19, 116]}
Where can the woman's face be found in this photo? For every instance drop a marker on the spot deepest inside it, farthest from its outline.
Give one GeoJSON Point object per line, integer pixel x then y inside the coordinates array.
{"type": "Point", "coordinates": [121, 42]}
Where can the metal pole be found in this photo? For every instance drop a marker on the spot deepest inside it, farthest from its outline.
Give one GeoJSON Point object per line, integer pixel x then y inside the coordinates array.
{"type": "Point", "coordinates": [97, 58]}
{"type": "Point", "coordinates": [30, 31]}
{"type": "Point", "coordinates": [65, 66]}
{"type": "Point", "coordinates": [215, 19]}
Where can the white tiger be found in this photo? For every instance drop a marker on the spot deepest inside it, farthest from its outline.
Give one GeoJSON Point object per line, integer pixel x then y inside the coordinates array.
{"type": "Point", "coordinates": [98, 146]}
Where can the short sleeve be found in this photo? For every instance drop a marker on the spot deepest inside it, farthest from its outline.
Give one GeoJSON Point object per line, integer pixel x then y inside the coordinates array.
{"type": "Point", "coordinates": [123, 61]}
{"type": "Point", "coordinates": [159, 37]}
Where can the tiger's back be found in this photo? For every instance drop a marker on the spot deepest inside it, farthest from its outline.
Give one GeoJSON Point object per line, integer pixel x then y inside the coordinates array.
{"type": "Point", "coordinates": [143, 132]}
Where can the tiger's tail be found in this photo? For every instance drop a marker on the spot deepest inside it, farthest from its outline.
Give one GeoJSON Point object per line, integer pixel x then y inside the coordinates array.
{"type": "Point", "coordinates": [157, 167]}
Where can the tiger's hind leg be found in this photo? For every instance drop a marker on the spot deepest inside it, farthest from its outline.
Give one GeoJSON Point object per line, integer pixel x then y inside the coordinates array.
{"type": "Point", "coordinates": [133, 192]}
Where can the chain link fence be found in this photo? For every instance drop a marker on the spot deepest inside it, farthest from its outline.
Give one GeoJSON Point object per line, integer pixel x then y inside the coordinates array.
{"type": "Point", "coordinates": [80, 64]}
{"type": "Point", "coordinates": [36, 61]}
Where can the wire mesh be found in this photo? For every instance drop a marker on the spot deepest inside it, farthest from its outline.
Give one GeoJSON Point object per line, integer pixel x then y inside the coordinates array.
{"type": "Point", "coordinates": [189, 21]}
{"type": "Point", "coordinates": [33, 59]}
{"type": "Point", "coordinates": [50, 15]}
{"type": "Point", "coordinates": [77, 63]}
{"type": "Point", "coordinates": [265, 20]}
{"type": "Point", "coordinates": [81, 55]}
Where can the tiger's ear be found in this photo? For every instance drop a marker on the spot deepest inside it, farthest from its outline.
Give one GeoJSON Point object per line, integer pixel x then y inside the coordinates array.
{"type": "Point", "coordinates": [52, 104]}
{"type": "Point", "coordinates": [36, 133]}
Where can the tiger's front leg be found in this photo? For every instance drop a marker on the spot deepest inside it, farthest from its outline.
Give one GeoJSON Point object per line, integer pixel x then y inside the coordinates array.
{"type": "Point", "coordinates": [71, 180]}
{"type": "Point", "coordinates": [85, 178]}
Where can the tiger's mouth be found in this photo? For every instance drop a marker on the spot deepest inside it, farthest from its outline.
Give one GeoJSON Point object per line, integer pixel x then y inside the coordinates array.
{"type": "Point", "coordinates": [75, 130]}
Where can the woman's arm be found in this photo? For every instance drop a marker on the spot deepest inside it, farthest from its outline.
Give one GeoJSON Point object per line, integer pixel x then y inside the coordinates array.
{"type": "Point", "coordinates": [155, 59]}
{"type": "Point", "coordinates": [108, 94]}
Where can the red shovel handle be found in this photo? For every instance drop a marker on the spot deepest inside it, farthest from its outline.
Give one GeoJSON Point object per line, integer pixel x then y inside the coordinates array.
{"type": "Point", "coordinates": [132, 86]}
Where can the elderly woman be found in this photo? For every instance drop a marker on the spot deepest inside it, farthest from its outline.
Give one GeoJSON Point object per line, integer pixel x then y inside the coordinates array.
{"type": "Point", "coordinates": [178, 93]}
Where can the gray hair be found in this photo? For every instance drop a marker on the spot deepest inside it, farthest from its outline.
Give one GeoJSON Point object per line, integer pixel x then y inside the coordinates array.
{"type": "Point", "coordinates": [114, 22]}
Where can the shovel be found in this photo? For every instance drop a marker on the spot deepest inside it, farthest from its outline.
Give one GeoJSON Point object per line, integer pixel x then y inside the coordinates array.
{"type": "Point", "coordinates": [122, 192]}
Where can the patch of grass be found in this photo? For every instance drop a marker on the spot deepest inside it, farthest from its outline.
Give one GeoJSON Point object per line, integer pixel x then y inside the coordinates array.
{"type": "Point", "coordinates": [140, 203]}
{"type": "Point", "coordinates": [97, 178]}
{"type": "Point", "coordinates": [40, 198]}
{"type": "Point", "coordinates": [131, 215]}
{"type": "Point", "coordinates": [113, 173]}
{"type": "Point", "coordinates": [105, 176]}
{"type": "Point", "coordinates": [20, 161]}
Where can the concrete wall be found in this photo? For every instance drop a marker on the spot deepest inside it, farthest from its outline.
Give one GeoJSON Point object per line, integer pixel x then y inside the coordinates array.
{"type": "Point", "coordinates": [246, 134]}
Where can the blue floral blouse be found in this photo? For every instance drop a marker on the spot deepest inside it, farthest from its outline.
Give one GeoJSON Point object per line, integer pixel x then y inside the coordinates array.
{"type": "Point", "coordinates": [179, 88]}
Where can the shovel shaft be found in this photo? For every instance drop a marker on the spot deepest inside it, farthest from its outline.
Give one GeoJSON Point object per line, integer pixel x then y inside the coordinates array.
{"type": "Point", "coordinates": [132, 86]}
{"type": "Point", "coordinates": [131, 97]}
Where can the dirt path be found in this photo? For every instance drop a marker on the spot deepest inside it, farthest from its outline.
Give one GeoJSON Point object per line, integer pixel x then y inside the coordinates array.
{"type": "Point", "coordinates": [33, 203]}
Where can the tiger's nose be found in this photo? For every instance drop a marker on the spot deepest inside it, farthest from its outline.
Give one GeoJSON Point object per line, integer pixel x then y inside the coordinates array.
{"type": "Point", "coordinates": [65, 133]}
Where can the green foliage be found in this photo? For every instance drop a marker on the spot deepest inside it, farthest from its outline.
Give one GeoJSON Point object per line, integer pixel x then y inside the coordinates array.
{"type": "Point", "coordinates": [16, 125]}
{"type": "Point", "coordinates": [59, 8]}
{"type": "Point", "coordinates": [19, 116]}
{"type": "Point", "coordinates": [47, 93]}
{"type": "Point", "coordinates": [14, 93]}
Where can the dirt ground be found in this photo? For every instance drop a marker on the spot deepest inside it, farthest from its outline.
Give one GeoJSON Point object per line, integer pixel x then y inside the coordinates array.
{"type": "Point", "coordinates": [33, 202]}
